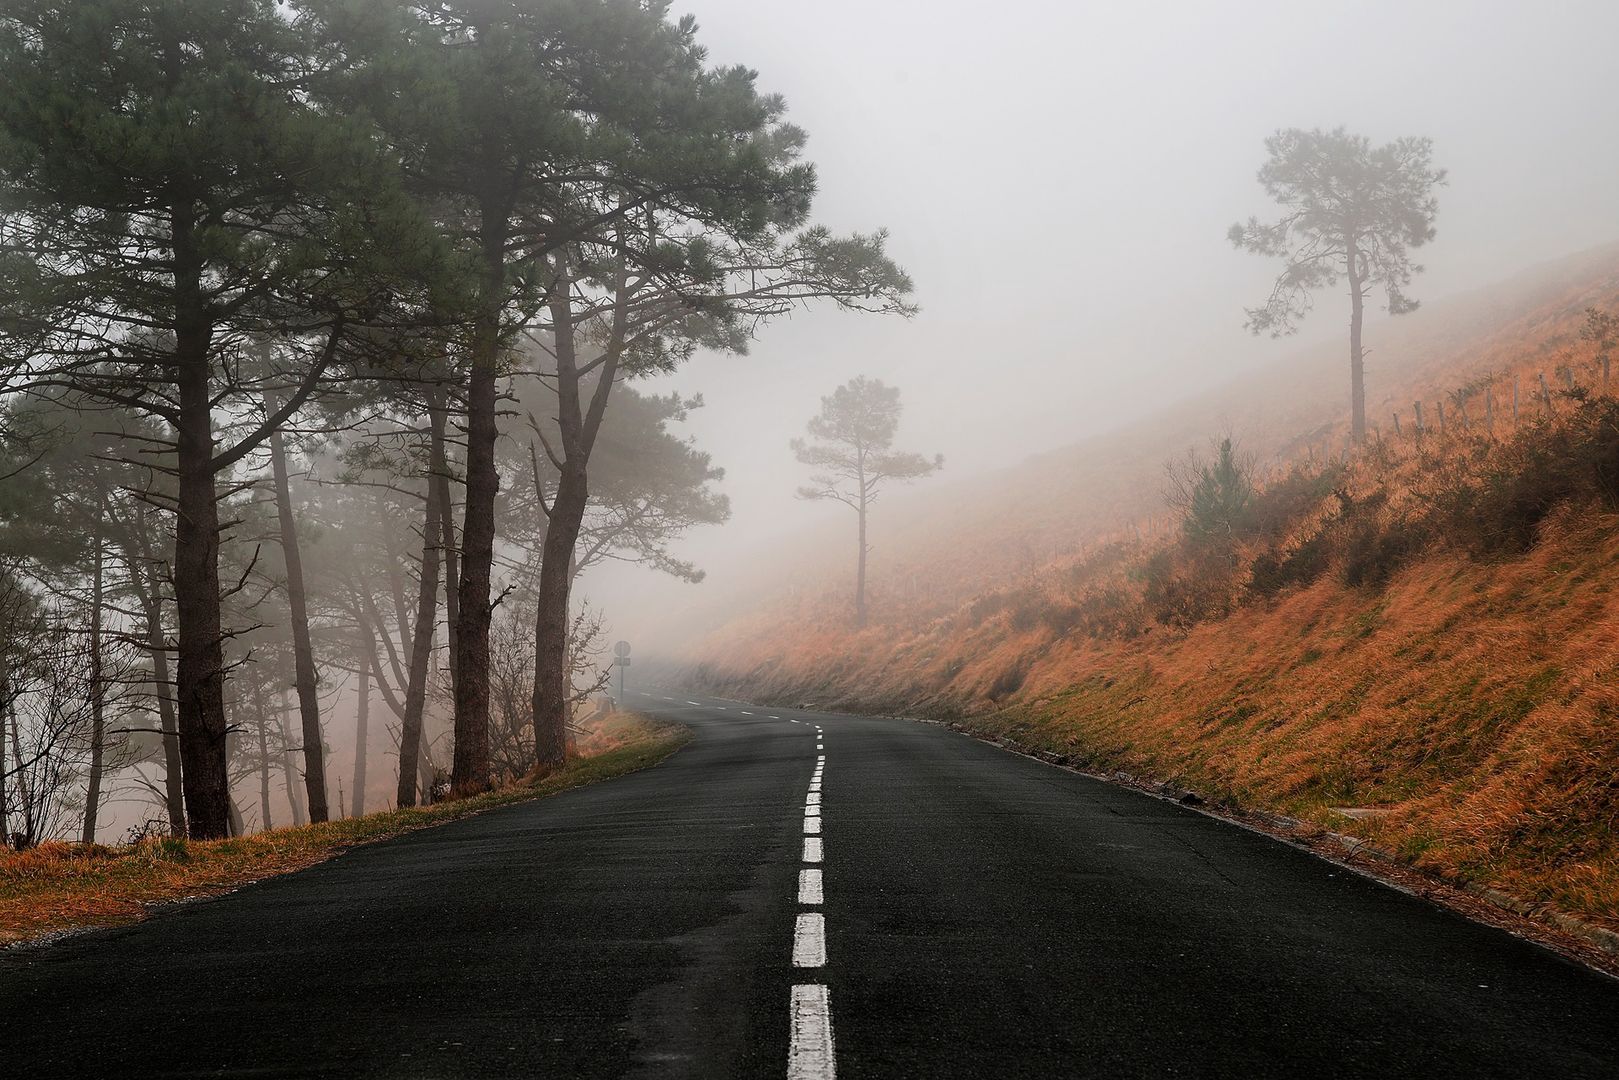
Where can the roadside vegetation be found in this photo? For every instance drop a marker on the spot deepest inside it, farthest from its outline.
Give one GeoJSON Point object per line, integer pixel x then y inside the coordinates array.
{"type": "Point", "coordinates": [1423, 629]}
{"type": "Point", "coordinates": [60, 886]}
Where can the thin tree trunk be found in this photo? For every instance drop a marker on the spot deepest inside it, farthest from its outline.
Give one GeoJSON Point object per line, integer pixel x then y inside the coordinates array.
{"type": "Point", "coordinates": [264, 756]}
{"type": "Point", "coordinates": [200, 665]}
{"type": "Point", "coordinates": [288, 767]}
{"type": "Point", "coordinates": [1357, 359]}
{"type": "Point", "coordinates": [25, 797]}
{"type": "Point", "coordinates": [410, 734]}
{"type": "Point", "coordinates": [860, 568]}
{"type": "Point", "coordinates": [440, 465]}
{"type": "Point", "coordinates": [98, 687]}
{"type": "Point", "coordinates": [5, 713]}
{"type": "Point", "coordinates": [362, 720]}
{"type": "Point", "coordinates": [158, 647]}
{"type": "Point", "coordinates": [305, 678]}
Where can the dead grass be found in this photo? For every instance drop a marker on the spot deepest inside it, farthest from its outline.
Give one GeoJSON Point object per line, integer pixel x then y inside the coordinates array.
{"type": "Point", "coordinates": [1435, 633]}
{"type": "Point", "coordinates": [59, 886]}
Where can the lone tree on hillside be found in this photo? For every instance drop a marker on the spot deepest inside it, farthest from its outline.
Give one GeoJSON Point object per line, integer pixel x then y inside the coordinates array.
{"type": "Point", "coordinates": [1352, 211]}
{"type": "Point", "coordinates": [854, 432]}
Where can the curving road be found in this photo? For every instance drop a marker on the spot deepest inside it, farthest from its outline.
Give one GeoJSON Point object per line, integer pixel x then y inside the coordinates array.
{"type": "Point", "coordinates": [901, 902]}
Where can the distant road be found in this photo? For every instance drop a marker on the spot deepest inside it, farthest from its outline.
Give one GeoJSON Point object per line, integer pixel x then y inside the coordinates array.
{"type": "Point", "coordinates": [921, 905]}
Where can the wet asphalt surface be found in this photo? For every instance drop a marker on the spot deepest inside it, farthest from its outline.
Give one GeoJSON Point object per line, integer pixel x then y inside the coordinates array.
{"type": "Point", "coordinates": [986, 916]}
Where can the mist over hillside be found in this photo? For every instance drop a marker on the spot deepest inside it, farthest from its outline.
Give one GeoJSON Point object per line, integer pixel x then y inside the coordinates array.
{"type": "Point", "coordinates": [957, 536]}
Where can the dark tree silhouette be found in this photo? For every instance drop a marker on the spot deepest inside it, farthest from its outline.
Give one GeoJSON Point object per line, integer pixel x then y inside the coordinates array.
{"type": "Point", "coordinates": [854, 431]}
{"type": "Point", "coordinates": [1351, 211]}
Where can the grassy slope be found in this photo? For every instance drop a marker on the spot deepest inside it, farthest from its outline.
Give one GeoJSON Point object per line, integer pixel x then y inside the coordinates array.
{"type": "Point", "coordinates": [1476, 699]}
{"type": "Point", "coordinates": [64, 886]}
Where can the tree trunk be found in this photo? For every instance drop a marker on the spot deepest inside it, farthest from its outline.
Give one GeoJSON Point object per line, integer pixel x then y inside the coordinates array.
{"type": "Point", "coordinates": [157, 645]}
{"type": "Point", "coordinates": [266, 820]}
{"type": "Point", "coordinates": [288, 767]}
{"type": "Point", "coordinates": [551, 690]}
{"type": "Point", "coordinates": [1357, 366]}
{"type": "Point", "coordinates": [421, 656]}
{"type": "Point", "coordinates": [862, 507]}
{"type": "Point", "coordinates": [470, 770]}
{"type": "Point", "coordinates": [860, 572]}
{"type": "Point", "coordinates": [440, 465]}
{"type": "Point", "coordinates": [200, 663]}
{"type": "Point", "coordinates": [5, 713]}
{"type": "Point", "coordinates": [98, 682]}
{"type": "Point", "coordinates": [362, 721]}
{"type": "Point", "coordinates": [304, 677]}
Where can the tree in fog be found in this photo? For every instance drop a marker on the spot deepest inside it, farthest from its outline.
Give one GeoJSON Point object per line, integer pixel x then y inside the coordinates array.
{"type": "Point", "coordinates": [172, 189]}
{"type": "Point", "coordinates": [851, 451]}
{"type": "Point", "coordinates": [1350, 211]}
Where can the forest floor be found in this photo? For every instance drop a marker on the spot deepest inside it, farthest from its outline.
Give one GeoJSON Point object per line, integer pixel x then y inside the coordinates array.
{"type": "Point", "coordinates": [57, 887]}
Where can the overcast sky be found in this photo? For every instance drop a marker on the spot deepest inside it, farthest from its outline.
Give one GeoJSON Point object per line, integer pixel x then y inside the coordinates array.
{"type": "Point", "coordinates": [1058, 179]}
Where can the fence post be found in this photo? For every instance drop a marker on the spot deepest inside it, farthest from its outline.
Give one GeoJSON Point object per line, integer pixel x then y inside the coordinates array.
{"type": "Point", "coordinates": [1545, 391]}
{"type": "Point", "coordinates": [1397, 424]}
{"type": "Point", "coordinates": [1441, 404]}
{"type": "Point", "coordinates": [1418, 406]}
{"type": "Point", "coordinates": [1489, 410]}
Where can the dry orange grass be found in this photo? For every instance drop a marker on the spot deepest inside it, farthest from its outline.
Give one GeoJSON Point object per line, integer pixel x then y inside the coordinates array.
{"type": "Point", "coordinates": [1474, 698]}
{"type": "Point", "coordinates": [59, 886]}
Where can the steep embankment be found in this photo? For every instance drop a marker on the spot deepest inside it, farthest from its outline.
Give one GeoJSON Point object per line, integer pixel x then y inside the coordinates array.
{"type": "Point", "coordinates": [1428, 630]}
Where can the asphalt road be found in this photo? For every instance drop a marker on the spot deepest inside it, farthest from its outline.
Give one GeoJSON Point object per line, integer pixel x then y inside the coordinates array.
{"type": "Point", "coordinates": [976, 914]}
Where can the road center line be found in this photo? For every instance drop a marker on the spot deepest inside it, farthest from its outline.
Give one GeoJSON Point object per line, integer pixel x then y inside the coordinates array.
{"type": "Point", "coordinates": [812, 810]}
{"type": "Point", "coordinates": [809, 940]}
{"type": "Point", "coordinates": [813, 800]}
{"type": "Point", "coordinates": [809, 1053]}
{"type": "Point", "coordinates": [809, 887]}
{"type": "Point", "coordinates": [812, 849]}
{"type": "Point", "coordinates": [812, 826]}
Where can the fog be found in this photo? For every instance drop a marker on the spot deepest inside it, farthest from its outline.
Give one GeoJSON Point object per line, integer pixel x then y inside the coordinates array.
{"type": "Point", "coordinates": [1058, 179]}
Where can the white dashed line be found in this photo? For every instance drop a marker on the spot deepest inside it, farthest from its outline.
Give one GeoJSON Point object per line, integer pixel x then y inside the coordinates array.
{"type": "Point", "coordinates": [778, 718]}
{"type": "Point", "coordinates": [694, 703]}
{"type": "Point", "coordinates": [814, 799]}
{"type": "Point", "coordinates": [812, 811]}
{"type": "Point", "coordinates": [812, 849]}
{"type": "Point", "coordinates": [809, 887]}
{"type": "Point", "coordinates": [809, 940]}
{"type": "Point", "coordinates": [809, 1053]}
{"type": "Point", "coordinates": [812, 826]}
{"type": "Point", "coordinates": [746, 713]}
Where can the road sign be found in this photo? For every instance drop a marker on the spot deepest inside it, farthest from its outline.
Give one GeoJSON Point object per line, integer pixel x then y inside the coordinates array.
{"type": "Point", "coordinates": [622, 649]}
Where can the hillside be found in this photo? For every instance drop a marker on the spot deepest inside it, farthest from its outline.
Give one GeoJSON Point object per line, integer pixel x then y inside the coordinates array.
{"type": "Point", "coordinates": [1425, 629]}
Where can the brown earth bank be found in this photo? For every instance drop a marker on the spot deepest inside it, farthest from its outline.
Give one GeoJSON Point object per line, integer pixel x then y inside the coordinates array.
{"type": "Point", "coordinates": [58, 887]}
{"type": "Point", "coordinates": [1424, 633]}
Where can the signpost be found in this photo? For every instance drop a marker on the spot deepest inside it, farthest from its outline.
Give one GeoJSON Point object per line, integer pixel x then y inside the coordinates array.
{"type": "Point", "coordinates": [621, 657]}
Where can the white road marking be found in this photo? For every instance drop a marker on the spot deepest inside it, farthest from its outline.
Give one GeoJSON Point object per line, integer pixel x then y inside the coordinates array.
{"type": "Point", "coordinates": [746, 713]}
{"type": "Point", "coordinates": [721, 708]}
{"type": "Point", "coordinates": [778, 718]}
{"type": "Point", "coordinates": [809, 940]}
{"type": "Point", "coordinates": [815, 786]}
{"type": "Point", "coordinates": [812, 825]}
{"type": "Point", "coordinates": [813, 800]}
{"type": "Point", "coordinates": [692, 703]}
{"type": "Point", "coordinates": [790, 720]}
{"type": "Point", "coordinates": [809, 1052]}
{"type": "Point", "coordinates": [809, 887]}
{"type": "Point", "coordinates": [820, 760]}
{"type": "Point", "coordinates": [812, 849]}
